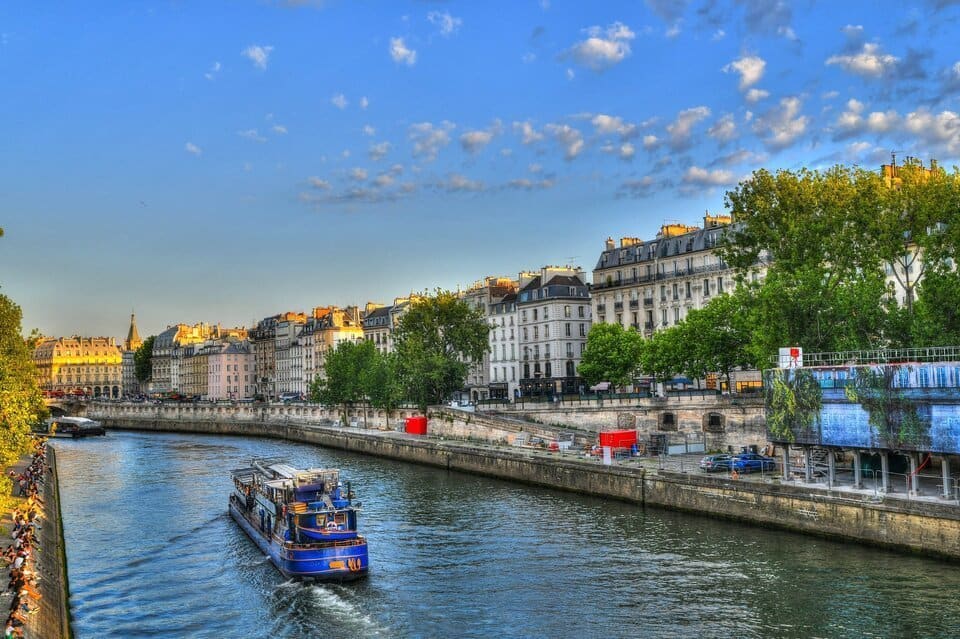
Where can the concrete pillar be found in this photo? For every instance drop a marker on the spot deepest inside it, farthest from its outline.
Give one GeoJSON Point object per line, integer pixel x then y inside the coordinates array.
{"type": "Point", "coordinates": [945, 473]}
{"type": "Point", "coordinates": [913, 480]}
{"type": "Point", "coordinates": [786, 462]}
{"type": "Point", "coordinates": [857, 471]}
{"type": "Point", "coordinates": [831, 468]}
{"type": "Point", "coordinates": [884, 472]}
{"type": "Point", "coordinates": [807, 465]}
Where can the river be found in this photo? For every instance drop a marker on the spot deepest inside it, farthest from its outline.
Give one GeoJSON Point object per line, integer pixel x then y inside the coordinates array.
{"type": "Point", "coordinates": [152, 553]}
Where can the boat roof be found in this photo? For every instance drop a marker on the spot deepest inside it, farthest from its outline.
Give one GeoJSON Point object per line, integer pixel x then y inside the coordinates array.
{"type": "Point", "coordinates": [66, 419]}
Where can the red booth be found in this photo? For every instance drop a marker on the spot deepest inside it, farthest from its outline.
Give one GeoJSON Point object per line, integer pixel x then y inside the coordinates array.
{"type": "Point", "coordinates": [416, 425]}
{"type": "Point", "coordinates": [618, 438]}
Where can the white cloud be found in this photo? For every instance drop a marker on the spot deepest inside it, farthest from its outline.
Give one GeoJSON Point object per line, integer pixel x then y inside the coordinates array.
{"type": "Point", "coordinates": [673, 30]}
{"type": "Point", "coordinates": [571, 74]}
{"type": "Point", "coordinates": [613, 125]}
{"type": "Point", "coordinates": [317, 183]}
{"type": "Point", "coordinates": [681, 128]}
{"type": "Point", "coordinates": [258, 55]}
{"type": "Point", "coordinates": [528, 135]}
{"type": "Point", "coordinates": [379, 151]}
{"type": "Point", "coordinates": [530, 185]}
{"type": "Point", "coordinates": [369, 130]}
{"type": "Point", "coordinates": [870, 62]}
{"type": "Point", "coordinates": [364, 102]}
{"type": "Point", "coordinates": [214, 70]}
{"type": "Point", "coordinates": [456, 182]}
{"type": "Point", "coordinates": [851, 120]}
{"type": "Point", "coordinates": [740, 157]}
{"type": "Point", "coordinates": [474, 141]}
{"type": "Point", "coordinates": [568, 137]}
{"type": "Point", "coordinates": [603, 48]}
{"type": "Point", "coordinates": [883, 121]}
{"type": "Point", "coordinates": [447, 23]}
{"type": "Point", "coordinates": [719, 34]}
{"type": "Point", "coordinates": [782, 125]}
{"type": "Point", "coordinates": [400, 53]}
{"type": "Point", "coordinates": [750, 69]}
{"type": "Point", "coordinates": [829, 95]}
{"type": "Point", "coordinates": [535, 168]}
{"type": "Point", "coordinates": [637, 188]}
{"type": "Point", "coordinates": [787, 32]}
{"type": "Point", "coordinates": [251, 134]}
{"type": "Point", "coordinates": [384, 180]}
{"type": "Point", "coordinates": [650, 142]}
{"type": "Point", "coordinates": [755, 95]}
{"type": "Point", "coordinates": [429, 139]}
{"type": "Point", "coordinates": [724, 129]}
{"type": "Point", "coordinates": [627, 151]}
{"type": "Point", "coordinates": [358, 174]}
{"type": "Point", "coordinates": [853, 31]}
{"type": "Point", "coordinates": [697, 176]}
{"type": "Point", "coordinates": [339, 101]}
{"type": "Point", "coordinates": [279, 129]}
{"type": "Point", "coordinates": [190, 147]}
{"type": "Point", "coordinates": [940, 130]}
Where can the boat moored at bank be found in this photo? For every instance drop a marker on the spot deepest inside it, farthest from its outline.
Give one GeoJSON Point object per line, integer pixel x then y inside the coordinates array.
{"type": "Point", "coordinates": [304, 520]}
{"type": "Point", "coordinates": [73, 427]}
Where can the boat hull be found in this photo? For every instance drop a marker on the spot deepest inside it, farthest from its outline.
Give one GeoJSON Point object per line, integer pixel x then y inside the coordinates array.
{"type": "Point", "coordinates": [338, 563]}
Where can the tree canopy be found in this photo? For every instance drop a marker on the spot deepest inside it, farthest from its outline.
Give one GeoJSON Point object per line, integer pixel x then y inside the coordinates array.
{"type": "Point", "coordinates": [436, 338]}
{"type": "Point", "coordinates": [21, 402]}
{"type": "Point", "coordinates": [612, 354]}
{"type": "Point", "coordinates": [142, 359]}
{"type": "Point", "coordinates": [346, 374]}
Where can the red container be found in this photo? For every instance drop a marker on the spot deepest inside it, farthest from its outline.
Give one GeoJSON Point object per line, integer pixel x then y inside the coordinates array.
{"type": "Point", "coordinates": [416, 425]}
{"type": "Point", "coordinates": [618, 438]}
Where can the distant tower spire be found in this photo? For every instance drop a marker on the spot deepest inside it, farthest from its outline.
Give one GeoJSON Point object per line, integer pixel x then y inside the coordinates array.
{"type": "Point", "coordinates": [133, 341]}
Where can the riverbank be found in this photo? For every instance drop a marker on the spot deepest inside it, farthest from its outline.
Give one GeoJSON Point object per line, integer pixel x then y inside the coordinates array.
{"type": "Point", "coordinates": [928, 528]}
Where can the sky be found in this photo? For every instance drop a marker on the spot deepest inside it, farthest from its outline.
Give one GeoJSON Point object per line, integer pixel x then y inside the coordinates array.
{"type": "Point", "coordinates": [226, 161]}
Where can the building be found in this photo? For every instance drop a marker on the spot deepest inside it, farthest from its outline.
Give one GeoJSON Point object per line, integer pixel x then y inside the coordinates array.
{"type": "Point", "coordinates": [287, 353]}
{"type": "Point", "coordinates": [653, 285]}
{"type": "Point", "coordinates": [80, 365]}
{"type": "Point", "coordinates": [230, 370]}
{"type": "Point", "coordinates": [131, 386]}
{"type": "Point", "coordinates": [555, 317]}
{"type": "Point", "coordinates": [481, 295]}
{"type": "Point", "coordinates": [504, 347]}
{"type": "Point", "coordinates": [328, 327]}
{"type": "Point", "coordinates": [376, 326]}
{"type": "Point", "coordinates": [173, 367]}
{"type": "Point", "coordinates": [263, 342]}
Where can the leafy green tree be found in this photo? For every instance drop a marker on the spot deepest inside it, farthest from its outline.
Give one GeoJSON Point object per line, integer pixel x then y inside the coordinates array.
{"type": "Point", "coordinates": [663, 354]}
{"type": "Point", "coordinates": [142, 360]}
{"type": "Point", "coordinates": [718, 336]}
{"type": "Point", "coordinates": [936, 317]}
{"type": "Point", "coordinates": [21, 402]}
{"type": "Point", "coordinates": [345, 369]}
{"type": "Point", "coordinates": [612, 354]}
{"type": "Point", "coordinates": [382, 383]}
{"type": "Point", "coordinates": [435, 339]}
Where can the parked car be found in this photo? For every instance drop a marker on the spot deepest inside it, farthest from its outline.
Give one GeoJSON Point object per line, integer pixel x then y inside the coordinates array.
{"type": "Point", "coordinates": [753, 462]}
{"type": "Point", "coordinates": [715, 463]}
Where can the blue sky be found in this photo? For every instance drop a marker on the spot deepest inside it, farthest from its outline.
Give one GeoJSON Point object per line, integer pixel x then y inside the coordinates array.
{"type": "Point", "coordinates": [226, 161]}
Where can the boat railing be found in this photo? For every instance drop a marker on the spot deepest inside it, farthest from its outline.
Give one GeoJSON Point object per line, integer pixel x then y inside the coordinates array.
{"type": "Point", "coordinates": [345, 543]}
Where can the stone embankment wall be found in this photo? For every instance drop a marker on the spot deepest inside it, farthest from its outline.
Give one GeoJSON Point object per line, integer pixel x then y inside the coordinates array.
{"type": "Point", "coordinates": [54, 615]}
{"type": "Point", "coordinates": [926, 528]}
{"type": "Point", "coordinates": [721, 421]}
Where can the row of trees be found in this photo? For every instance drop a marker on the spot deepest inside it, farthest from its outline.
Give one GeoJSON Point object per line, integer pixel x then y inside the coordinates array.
{"type": "Point", "coordinates": [827, 241]}
{"type": "Point", "coordinates": [21, 402]}
{"type": "Point", "coordinates": [435, 340]}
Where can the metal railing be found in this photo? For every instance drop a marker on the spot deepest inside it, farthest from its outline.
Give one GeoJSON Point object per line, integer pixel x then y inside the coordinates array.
{"type": "Point", "coordinates": [881, 356]}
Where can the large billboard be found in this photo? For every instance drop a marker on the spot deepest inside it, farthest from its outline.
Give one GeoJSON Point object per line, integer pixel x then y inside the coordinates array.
{"type": "Point", "coordinates": [903, 406]}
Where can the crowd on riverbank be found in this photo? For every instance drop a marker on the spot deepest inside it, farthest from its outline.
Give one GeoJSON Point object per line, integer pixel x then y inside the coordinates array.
{"type": "Point", "coordinates": [20, 554]}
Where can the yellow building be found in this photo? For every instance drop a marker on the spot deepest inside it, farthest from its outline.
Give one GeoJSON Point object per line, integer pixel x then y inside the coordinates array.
{"type": "Point", "coordinates": [74, 365]}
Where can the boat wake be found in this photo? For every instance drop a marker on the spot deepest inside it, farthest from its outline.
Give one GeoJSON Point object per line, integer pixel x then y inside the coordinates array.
{"type": "Point", "coordinates": [332, 605]}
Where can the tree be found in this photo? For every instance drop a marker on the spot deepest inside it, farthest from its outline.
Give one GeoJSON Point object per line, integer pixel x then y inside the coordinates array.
{"type": "Point", "coordinates": [718, 336]}
{"type": "Point", "coordinates": [662, 354]}
{"type": "Point", "coordinates": [345, 369]}
{"type": "Point", "coordinates": [822, 234]}
{"type": "Point", "coordinates": [142, 360]}
{"type": "Point", "coordinates": [382, 383]}
{"type": "Point", "coordinates": [435, 339]}
{"type": "Point", "coordinates": [612, 354]}
{"type": "Point", "coordinates": [21, 402]}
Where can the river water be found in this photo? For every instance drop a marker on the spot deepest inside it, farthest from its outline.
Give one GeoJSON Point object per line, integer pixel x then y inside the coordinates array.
{"type": "Point", "coordinates": [152, 553]}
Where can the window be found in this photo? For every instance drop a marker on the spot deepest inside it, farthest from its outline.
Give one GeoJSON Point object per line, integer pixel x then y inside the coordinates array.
{"type": "Point", "coordinates": [570, 369]}
{"type": "Point", "coordinates": [706, 288]}
{"type": "Point", "coordinates": [566, 329]}
{"type": "Point", "coordinates": [526, 370]}
{"type": "Point", "coordinates": [523, 316]}
{"type": "Point", "coordinates": [676, 295]}
{"type": "Point", "coordinates": [579, 311]}
{"type": "Point", "coordinates": [536, 351]}
{"type": "Point", "coordinates": [663, 293]}
{"type": "Point", "coordinates": [619, 318]}
{"type": "Point", "coordinates": [719, 284]}
{"type": "Point", "coordinates": [663, 317]}
{"type": "Point", "coordinates": [688, 290]}
{"type": "Point", "coordinates": [548, 370]}
{"type": "Point", "coordinates": [583, 330]}
{"type": "Point", "coordinates": [503, 351]}
{"type": "Point", "coordinates": [536, 332]}
{"type": "Point", "coordinates": [569, 349]}
{"type": "Point", "coordinates": [546, 312]}
{"type": "Point", "coordinates": [676, 315]}
{"type": "Point", "coordinates": [566, 311]}
{"type": "Point", "coordinates": [525, 335]}
{"type": "Point", "coordinates": [534, 315]}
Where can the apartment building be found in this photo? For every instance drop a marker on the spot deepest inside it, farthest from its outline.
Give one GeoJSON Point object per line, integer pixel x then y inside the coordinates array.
{"type": "Point", "coordinates": [90, 365]}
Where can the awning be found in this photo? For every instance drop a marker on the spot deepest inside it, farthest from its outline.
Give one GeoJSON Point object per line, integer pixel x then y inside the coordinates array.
{"type": "Point", "coordinates": [600, 386]}
{"type": "Point", "coordinates": [680, 380]}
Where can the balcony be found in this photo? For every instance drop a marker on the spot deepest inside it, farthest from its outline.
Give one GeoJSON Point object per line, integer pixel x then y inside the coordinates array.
{"type": "Point", "coordinates": [618, 306]}
{"type": "Point", "coordinates": [647, 301]}
{"type": "Point", "coordinates": [648, 326]}
{"type": "Point", "coordinates": [601, 308]}
{"type": "Point", "coordinates": [634, 304]}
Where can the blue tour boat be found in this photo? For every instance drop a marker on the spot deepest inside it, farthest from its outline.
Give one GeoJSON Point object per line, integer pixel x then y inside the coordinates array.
{"type": "Point", "coordinates": [303, 520]}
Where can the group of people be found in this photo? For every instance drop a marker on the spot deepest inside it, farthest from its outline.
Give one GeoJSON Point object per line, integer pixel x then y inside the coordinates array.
{"type": "Point", "coordinates": [19, 555]}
